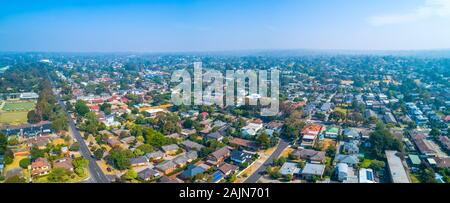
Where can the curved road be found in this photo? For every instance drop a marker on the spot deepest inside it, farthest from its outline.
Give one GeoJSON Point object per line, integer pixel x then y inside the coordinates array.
{"type": "Point", "coordinates": [259, 172]}
{"type": "Point", "coordinates": [96, 173]}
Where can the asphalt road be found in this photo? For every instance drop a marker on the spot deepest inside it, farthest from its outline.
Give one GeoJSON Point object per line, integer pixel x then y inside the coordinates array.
{"type": "Point", "coordinates": [259, 172]}
{"type": "Point", "coordinates": [96, 173]}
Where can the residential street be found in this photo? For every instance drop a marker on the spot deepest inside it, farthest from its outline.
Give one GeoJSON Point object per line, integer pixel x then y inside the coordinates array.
{"type": "Point", "coordinates": [95, 171]}
{"type": "Point", "coordinates": [258, 173]}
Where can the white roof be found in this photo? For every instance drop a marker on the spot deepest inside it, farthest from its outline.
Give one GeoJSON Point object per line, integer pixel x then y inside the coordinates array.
{"type": "Point", "coordinates": [366, 175]}
{"type": "Point", "coordinates": [309, 137]}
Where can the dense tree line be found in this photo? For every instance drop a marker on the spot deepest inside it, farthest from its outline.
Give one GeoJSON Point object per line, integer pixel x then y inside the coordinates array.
{"type": "Point", "coordinates": [47, 108]}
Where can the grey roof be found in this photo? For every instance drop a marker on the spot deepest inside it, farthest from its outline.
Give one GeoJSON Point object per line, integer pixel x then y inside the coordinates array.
{"type": "Point", "coordinates": [289, 168]}
{"type": "Point", "coordinates": [165, 165]}
{"type": "Point", "coordinates": [313, 169]}
{"type": "Point", "coordinates": [192, 155]}
{"type": "Point", "coordinates": [396, 168]}
{"type": "Point", "coordinates": [153, 155]}
{"type": "Point", "coordinates": [192, 145]}
{"type": "Point", "coordinates": [348, 159]}
{"type": "Point", "coordinates": [139, 160]}
{"type": "Point", "coordinates": [180, 160]}
{"type": "Point", "coordinates": [222, 152]}
{"type": "Point", "coordinates": [215, 135]}
{"type": "Point", "coordinates": [351, 147]}
{"type": "Point", "coordinates": [342, 168]}
{"type": "Point", "coordinates": [148, 173]}
{"type": "Point", "coordinates": [170, 147]}
{"type": "Point", "coordinates": [351, 132]}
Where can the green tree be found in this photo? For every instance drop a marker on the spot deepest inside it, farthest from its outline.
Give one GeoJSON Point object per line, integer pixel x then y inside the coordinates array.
{"type": "Point", "coordinates": [264, 140]}
{"type": "Point", "coordinates": [58, 175]}
{"type": "Point", "coordinates": [130, 175]}
{"type": "Point", "coordinates": [24, 163]}
{"type": "Point", "coordinates": [435, 132]}
{"type": "Point", "coordinates": [3, 143]}
{"type": "Point", "coordinates": [428, 176]}
{"type": "Point", "coordinates": [33, 117]}
{"type": "Point", "coordinates": [36, 153]}
{"type": "Point", "coordinates": [80, 164]}
{"type": "Point", "coordinates": [331, 151]}
{"type": "Point", "coordinates": [120, 159]}
{"type": "Point", "coordinates": [146, 148]}
{"type": "Point", "coordinates": [81, 108]}
{"type": "Point", "coordinates": [99, 153]}
{"type": "Point", "coordinates": [381, 140]}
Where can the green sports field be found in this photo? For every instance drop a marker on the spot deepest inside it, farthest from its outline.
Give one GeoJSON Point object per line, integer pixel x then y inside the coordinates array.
{"type": "Point", "coordinates": [13, 118]}
{"type": "Point", "coordinates": [15, 112]}
{"type": "Point", "coordinates": [18, 106]}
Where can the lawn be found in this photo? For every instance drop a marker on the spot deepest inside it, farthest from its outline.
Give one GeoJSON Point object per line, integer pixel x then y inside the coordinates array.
{"type": "Point", "coordinates": [18, 106]}
{"type": "Point", "coordinates": [13, 118]}
{"type": "Point", "coordinates": [366, 163]}
{"type": "Point", "coordinates": [74, 178]}
{"type": "Point", "coordinates": [326, 143]}
{"type": "Point", "coordinates": [286, 152]}
{"type": "Point", "coordinates": [15, 164]}
{"type": "Point", "coordinates": [342, 110]}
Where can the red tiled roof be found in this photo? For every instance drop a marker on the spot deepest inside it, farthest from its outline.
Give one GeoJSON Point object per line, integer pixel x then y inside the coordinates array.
{"type": "Point", "coordinates": [40, 162]}
{"type": "Point", "coordinates": [313, 127]}
{"type": "Point", "coordinates": [243, 142]}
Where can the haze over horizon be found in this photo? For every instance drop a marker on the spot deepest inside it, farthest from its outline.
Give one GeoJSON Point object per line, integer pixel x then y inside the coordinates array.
{"type": "Point", "coordinates": [208, 25]}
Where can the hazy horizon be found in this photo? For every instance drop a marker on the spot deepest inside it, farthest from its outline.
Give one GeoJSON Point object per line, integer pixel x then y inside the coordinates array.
{"type": "Point", "coordinates": [173, 26]}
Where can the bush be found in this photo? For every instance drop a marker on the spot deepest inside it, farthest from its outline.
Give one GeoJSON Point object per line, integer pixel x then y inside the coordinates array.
{"type": "Point", "coordinates": [24, 163]}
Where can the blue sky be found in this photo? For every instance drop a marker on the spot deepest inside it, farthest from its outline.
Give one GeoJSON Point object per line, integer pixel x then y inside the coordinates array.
{"type": "Point", "coordinates": [213, 25]}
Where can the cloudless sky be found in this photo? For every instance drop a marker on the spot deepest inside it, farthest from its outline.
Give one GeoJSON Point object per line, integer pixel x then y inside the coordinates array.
{"type": "Point", "coordinates": [213, 25]}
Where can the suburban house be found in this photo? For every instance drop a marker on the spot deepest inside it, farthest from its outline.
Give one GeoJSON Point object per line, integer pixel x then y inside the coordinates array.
{"type": "Point", "coordinates": [310, 134]}
{"type": "Point", "coordinates": [166, 167]}
{"type": "Point", "coordinates": [312, 156]}
{"type": "Point", "coordinates": [228, 169]}
{"type": "Point", "coordinates": [28, 130]}
{"type": "Point", "coordinates": [191, 171]}
{"type": "Point", "coordinates": [275, 126]}
{"type": "Point", "coordinates": [445, 142]}
{"type": "Point", "coordinates": [423, 145]}
{"type": "Point", "coordinates": [180, 161]}
{"type": "Point", "coordinates": [148, 174]}
{"type": "Point", "coordinates": [190, 145]}
{"type": "Point", "coordinates": [351, 160]}
{"type": "Point", "coordinates": [65, 163]}
{"type": "Point", "coordinates": [251, 129]}
{"type": "Point", "coordinates": [442, 162]}
{"type": "Point", "coordinates": [247, 144]}
{"type": "Point", "coordinates": [139, 161]}
{"type": "Point", "coordinates": [366, 175]}
{"type": "Point", "coordinates": [166, 179]}
{"type": "Point", "coordinates": [331, 132]}
{"type": "Point", "coordinates": [214, 136]}
{"type": "Point", "coordinates": [170, 149]}
{"type": "Point", "coordinates": [40, 167]}
{"type": "Point", "coordinates": [217, 176]}
{"type": "Point", "coordinates": [153, 156]}
{"type": "Point", "coordinates": [218, 156]}
{"type": "Point", "coordinates": [396, 168]}
{"type": "Point", "coordinates": [345, 173]}
{"type": "Point", "coordinates": [240, 157]}
{"type": "Point", "coordinates": [351, 133]}
{"type": "Point", "coordinates": [350, 147]}
{"type": "Point", "coordinates": [289, 168]}
{"type": "Point", "coordinates": [311, 170]}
